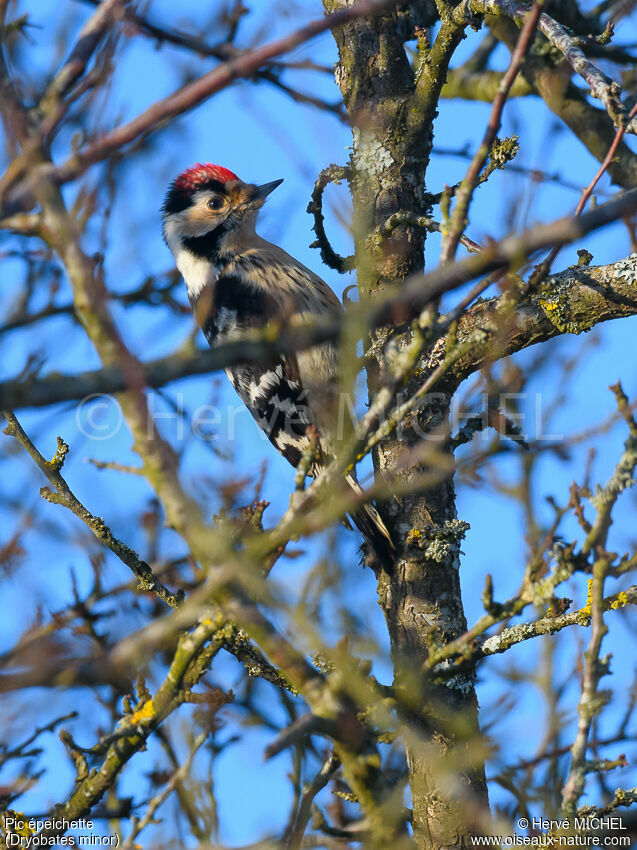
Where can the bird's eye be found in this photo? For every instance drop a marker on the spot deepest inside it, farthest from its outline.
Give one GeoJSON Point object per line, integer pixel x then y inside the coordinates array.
{"type": "Point", "coordinates": [215, 203]}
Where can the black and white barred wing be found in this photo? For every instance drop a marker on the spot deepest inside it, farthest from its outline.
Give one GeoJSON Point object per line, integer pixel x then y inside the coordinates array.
{"type": "Point", "coordinates": [275, 397]}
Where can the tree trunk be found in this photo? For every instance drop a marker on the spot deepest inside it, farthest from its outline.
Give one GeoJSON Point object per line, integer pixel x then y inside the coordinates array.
{"type": "Point", "coordinates": [421, 600]}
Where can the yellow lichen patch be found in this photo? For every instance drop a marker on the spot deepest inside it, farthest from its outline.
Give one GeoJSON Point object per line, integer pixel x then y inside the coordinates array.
{"type": "Point", "coordinates": [563, 315]}
{"type": "Point", "coordinates": [620, 601]}
{"type": "Point", "coordinates": [414, 535]}
{"type": "Point", "coordinates": [16, 823]}
{"type": "Point", "coordinates": [552, 313]}
{"type": "Point", "coordinates": [586, 610]}
{"type": "Point", "coordinates": [146, 712]}
{"type": "Point", "coordinates": [547, 306]}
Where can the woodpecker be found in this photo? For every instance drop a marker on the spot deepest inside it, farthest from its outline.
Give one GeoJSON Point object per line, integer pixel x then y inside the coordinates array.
{"type": "Point", "coordinates": [237, 281]}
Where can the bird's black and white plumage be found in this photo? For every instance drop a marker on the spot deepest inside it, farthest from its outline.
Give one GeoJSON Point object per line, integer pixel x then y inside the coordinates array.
{"type": "Point", "coordinates": [237, 281]}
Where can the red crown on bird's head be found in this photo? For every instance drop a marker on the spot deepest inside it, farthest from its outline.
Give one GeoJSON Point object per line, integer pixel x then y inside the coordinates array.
{"type": "Point", "coordinates": [201, 173]}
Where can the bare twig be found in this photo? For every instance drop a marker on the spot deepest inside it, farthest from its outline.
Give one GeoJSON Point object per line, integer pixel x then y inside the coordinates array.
{"type": "Point", "coordinates": [181, 101]}
{"type": "Point", "coordinates": [331, 174]}
{"type": "Point", "coordinates": [536, 175]}
{"type": "Point", "coordinates": [622, 798]}
{"type": "Point", "coordinates": [601, 86]}
{"type": "Point", "coordinates": [62, 495]}
{"type": "Point", "coordinates": [304, 813]}
{"type": "Point", "coordinates": [429, 224]}
{"type": "Point", "coordinates": [548, 626]}
{"type": "Point", "coordinates": [308, 724]}
{"type": "Point", "coordinates": [135, 728]}
{"type": "Point", "coordinates": [88, 39]}
{"type": "Point", "coordinates": [592, 700]}
{"type": "Point", "coordinates": [545, 267]}
{"type": "Point", "coordinates": [176, 778]}
{"type": "Point", "coordinates": [464, 194]}
{"type": "Point", "coordinates": [19, 750]}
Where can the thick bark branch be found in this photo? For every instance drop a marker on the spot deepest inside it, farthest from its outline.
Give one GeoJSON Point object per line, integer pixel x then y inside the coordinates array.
{"type": "Point", "coordinates": [571, 302]}
{"type": "Point", "coordinates": [481, 85]}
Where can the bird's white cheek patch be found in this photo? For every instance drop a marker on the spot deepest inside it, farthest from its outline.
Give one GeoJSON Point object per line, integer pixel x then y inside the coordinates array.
{"type": "Point", "coordinates": [196, 271]}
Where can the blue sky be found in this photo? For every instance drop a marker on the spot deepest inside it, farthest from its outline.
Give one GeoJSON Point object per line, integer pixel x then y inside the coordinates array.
{"type": "Point", "coordinates": [262, 135]}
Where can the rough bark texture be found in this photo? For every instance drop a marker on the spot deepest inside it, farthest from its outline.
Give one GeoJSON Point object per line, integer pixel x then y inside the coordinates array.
{"type": "Point", "coordinates": [392, 112]}
{"type": "Point", "coordinates": [570, 302]}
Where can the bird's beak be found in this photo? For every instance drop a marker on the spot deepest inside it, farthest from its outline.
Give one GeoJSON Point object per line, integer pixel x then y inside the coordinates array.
{"type": "Point", "coordinates": [261, 192]}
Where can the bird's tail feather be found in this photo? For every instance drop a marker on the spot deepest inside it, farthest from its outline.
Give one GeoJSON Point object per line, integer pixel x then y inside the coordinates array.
{"type": "Point", "coordinates": [381, 552]}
